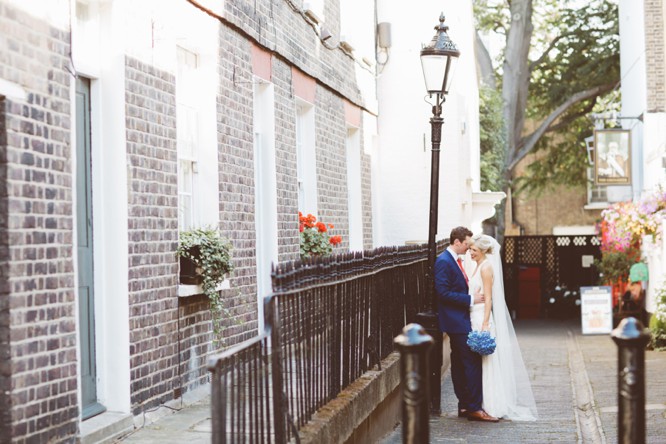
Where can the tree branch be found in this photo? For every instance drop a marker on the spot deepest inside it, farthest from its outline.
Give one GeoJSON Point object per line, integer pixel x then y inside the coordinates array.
{"type": "Point", "coordinates": [528, 142]}
{"type": "Point", "coordinates": [544, 54]}
{"type": "Point", "coordinates": [564, 122]}
{"type": "Point", "coordinates": [554, 42]}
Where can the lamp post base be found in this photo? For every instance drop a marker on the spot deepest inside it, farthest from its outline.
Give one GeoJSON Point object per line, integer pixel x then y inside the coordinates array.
{"type": "Point", "coordinates": [430, 323]}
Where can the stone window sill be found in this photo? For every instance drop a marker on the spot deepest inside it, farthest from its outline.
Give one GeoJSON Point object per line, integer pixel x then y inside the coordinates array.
{"type": "Point", "coordinates": [597, 206]}
{"type": "Point", "coordinates": [192, 290]}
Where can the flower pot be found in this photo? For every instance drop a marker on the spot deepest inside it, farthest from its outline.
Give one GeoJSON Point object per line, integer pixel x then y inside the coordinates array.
{"type": "Point", "coordinates": [188, 271]}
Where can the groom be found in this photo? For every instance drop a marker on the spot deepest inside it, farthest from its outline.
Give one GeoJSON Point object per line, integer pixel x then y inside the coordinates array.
{"type": "Point", "coordinates": [454, 302]}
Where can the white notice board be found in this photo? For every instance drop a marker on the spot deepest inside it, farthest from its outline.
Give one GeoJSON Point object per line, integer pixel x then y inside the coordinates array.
{"type": "Point", "coordinates": [596, 310]}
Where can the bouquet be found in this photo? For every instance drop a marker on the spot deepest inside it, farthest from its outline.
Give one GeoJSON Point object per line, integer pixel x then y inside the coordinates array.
{"type": "Point", "coordinates": [481, 342]}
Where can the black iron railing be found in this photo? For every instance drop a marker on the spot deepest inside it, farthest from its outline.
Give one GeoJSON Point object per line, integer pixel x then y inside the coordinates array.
{"type": "Point", "coordinates": [329, 320]}
{"type": "Point", "coordinates": [241, 397]}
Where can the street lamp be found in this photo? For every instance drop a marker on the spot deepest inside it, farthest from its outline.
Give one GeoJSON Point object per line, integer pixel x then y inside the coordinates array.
{"type": "Point", "coordinates": [438, 60]}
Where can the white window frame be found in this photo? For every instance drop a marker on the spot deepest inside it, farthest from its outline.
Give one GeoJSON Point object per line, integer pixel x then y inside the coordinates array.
{"type": "Point", "coordinates": [191, 94]}
{"type": "Point", "coordinates": [306, 158]}
{"type": "Point", "coordinates": [265, 190]}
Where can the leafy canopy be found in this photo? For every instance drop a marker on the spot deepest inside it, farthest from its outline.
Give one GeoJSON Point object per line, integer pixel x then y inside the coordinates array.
{"type": "Point", "coordinates": [574, 48]}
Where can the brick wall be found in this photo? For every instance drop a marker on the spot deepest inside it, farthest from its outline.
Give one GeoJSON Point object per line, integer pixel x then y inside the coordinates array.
{"type": "Point", "coordinates": [37, 290]}
{"type": "Point", "coordinates": [655, 55]}
{"type": "Point", "coordinates": [331, 138]}
{"type": "Point", "coordinates": [236, 166]}
{"type": "Point", "coordinates": [153, 233]}
{"type": "Point", "coordinates": [170, 337]}
{"type": "Point", "coordinates": [277, 27]}
{"type": "Point", "coordinates": [366, 184]}
{"type": "Point", "coordinates": [560, 206]}
{"type": "Point", "coordinates": [285, 160]}
{"type": "Point", "coordinates": [5, 349]}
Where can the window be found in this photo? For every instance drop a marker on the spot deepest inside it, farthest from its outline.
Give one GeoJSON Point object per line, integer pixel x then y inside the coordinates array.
{"type": "Point", "coordinates": [187, 128]}
{"type": "Point", "coordinates": [306, 162]}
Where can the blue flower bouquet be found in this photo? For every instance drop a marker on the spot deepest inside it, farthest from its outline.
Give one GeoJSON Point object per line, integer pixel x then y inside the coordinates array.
{"type": "Point", "coordinates": [481, 342]}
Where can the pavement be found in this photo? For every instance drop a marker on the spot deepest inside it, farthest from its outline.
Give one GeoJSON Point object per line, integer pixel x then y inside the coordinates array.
{"type": "Point", "coordinates": [574, 379]}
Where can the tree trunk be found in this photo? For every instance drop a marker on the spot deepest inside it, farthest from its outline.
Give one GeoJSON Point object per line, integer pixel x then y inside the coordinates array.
{"type": "Point", "coordinates": [516, 76]}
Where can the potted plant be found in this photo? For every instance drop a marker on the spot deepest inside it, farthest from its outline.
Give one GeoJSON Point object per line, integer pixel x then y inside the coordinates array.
{"type": "Point", "coordinates": [315, 239]}
{"type": "Point", "coordinates": [205, 258]}
{"type": "Point", "coordinates": [657, 322]}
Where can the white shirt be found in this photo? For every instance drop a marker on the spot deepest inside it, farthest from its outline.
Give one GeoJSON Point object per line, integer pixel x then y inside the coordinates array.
{"type": "Point", "coordinates": [456, 256]}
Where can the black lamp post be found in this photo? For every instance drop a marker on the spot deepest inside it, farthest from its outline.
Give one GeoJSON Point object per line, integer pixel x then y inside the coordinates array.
{"type": "Point", "coordinates": [437, 59]}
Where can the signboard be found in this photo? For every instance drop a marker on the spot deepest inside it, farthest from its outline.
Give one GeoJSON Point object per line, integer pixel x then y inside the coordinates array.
{"type": "Point", "coordinates": [596, 310]}
{"type": "Point", "coordinates": [612, 157]}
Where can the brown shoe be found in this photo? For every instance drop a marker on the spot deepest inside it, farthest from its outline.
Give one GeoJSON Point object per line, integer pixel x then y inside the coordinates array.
{"type": "Point", "coordinates": [481, 415]}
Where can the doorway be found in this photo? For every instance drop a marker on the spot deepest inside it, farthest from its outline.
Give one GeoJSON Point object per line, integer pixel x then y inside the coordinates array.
{"type": "Point", "coordinates": [84, 244]}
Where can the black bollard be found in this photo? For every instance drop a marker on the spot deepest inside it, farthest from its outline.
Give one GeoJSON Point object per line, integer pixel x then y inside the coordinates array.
{"type": "Point", "coordinates": [631, 339]}
{"type": "Point", "coordinates": [414, 345]}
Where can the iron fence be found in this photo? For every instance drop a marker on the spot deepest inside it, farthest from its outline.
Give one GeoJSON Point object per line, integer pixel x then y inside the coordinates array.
{"type": "Point", "coordinates": [327, 322]}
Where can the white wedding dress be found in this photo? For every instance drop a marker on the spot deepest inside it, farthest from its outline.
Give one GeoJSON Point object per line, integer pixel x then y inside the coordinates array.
{"type": "Point", "coordinates": [507, 392]}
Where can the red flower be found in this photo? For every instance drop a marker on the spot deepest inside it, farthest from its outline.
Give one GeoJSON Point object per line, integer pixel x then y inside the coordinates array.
{"type": "Point", "coordinates": [335, 240]}
{"type": "Point", "coordinates": [321, 227]}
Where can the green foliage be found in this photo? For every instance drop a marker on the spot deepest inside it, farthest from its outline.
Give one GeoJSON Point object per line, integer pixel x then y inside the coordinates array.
{"type": "Point", "coordinates": [314, 243]}
{"type": "Point", "coordinates": [574, 47]}
{"type": "Point", "coordinates": [211, 255]}
{"type": "Point", "coordinates": [614, 266]}
{"type": "Point", "coordinates": [564, 163]}
{"type": "Point", "coordinates": [493, 139]}
{"type": "Point", "coordinates": [583, 52]}
{"type": "Point", "coordinates": [658, 321]}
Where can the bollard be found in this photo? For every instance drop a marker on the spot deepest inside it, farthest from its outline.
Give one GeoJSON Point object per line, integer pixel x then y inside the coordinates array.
{"type": "Point", "coordinates": [414, 346]}
{"type": "Point", "coordinates": [631, 339]}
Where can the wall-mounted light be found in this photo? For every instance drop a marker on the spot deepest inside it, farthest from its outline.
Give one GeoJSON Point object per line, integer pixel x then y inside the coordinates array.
{"type": "Point", "coordinates": [384, 35]}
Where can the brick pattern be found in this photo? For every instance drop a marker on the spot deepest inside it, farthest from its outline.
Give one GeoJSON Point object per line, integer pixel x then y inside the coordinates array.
{"type": "Point", "coordinates": [655, 55]}
{"type": "Point", "coordinates": [330, 140]}
{"type": "Point", "coordinates": [285, 161]}
{"type": "Point", "coordinates": [170, 337]}
{"type": "Point", "coordinates": [5, 349]}
{"type": "Point", "coordinates": [236, 165]}
{"type": "Point", "coordinates": [276, 26]}
{"type": "Point", "coordinates": [560, 207]}
{"type": "Point", "coordinates": [366, 184]}
{"type": "Point", "coordinates": [38, 363]}
{"type": "Point", "coordinates": [153, 233]}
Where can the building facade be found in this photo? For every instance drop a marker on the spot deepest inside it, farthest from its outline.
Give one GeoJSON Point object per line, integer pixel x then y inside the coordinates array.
{"type": "Point", "coordinates": [643, 64]}
{"type": "Point", "coordinates": [124, 123]}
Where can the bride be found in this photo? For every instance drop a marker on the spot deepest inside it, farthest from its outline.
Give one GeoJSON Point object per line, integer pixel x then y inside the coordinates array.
{"type": "Point", "coordinates": [507, 392]}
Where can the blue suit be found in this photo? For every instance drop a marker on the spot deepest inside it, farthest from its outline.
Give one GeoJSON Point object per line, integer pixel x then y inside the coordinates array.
{"type": "Point", "coordinates": [453, 306]}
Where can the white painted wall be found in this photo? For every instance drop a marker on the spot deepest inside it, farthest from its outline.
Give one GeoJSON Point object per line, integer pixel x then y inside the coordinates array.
{"type": "Point", "coordinates": [265, 193]}
{"type": "Point", "coordinates": [109, 175]}
{"type": "Point", "coordinates": [634, 96]}
{"type": "Point", "coordinates": [403, 182]}
{"type": "Point", "coordinates": [648, 137]}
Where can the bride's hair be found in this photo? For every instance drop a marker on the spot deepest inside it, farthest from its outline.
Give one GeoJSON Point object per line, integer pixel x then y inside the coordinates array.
{"type": "Point", "coordinates": [484, 242]}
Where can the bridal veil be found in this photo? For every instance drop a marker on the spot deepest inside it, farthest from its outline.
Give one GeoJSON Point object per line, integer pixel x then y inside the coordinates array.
{"type": "Point", "coordinates": [515, 379]}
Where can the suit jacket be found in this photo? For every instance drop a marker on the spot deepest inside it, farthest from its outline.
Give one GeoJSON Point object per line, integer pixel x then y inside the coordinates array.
{"type": "Point", "coordinates": [453, 299]}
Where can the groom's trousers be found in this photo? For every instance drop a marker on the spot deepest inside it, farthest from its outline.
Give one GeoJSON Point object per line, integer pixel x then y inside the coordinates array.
{"type": "Point", "coordinates": [466, 373]}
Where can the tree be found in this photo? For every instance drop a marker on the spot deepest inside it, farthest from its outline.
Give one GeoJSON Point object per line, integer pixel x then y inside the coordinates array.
{"type": "Point", "coordinates": [559, 58]}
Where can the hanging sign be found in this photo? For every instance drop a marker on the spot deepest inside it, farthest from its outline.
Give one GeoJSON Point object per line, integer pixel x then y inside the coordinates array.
{"type": "Point", "coordinates": [612, 157]}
